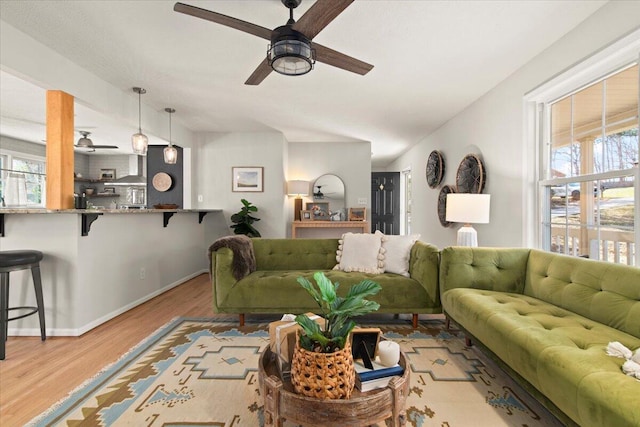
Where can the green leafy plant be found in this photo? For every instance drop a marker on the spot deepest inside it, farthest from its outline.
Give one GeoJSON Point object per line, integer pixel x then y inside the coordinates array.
{"type": "Point", "coordinates": [337, 312]}
{"type": "Point", "coordinates": [242, 220]}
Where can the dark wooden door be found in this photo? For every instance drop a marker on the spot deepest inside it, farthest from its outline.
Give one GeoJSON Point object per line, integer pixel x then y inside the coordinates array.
{"type": "Point", "coordinates": [385, 202]}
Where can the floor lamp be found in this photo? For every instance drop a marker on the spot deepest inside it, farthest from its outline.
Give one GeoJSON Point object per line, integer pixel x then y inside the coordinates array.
{"type": "Point", "coordinates": [468, 209]}
{"type": "Point", "coordinates": [297, 188]}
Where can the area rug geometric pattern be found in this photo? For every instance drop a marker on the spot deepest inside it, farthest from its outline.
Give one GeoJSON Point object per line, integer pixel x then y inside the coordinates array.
{"type": "Point", "coordinates": [202, 372]}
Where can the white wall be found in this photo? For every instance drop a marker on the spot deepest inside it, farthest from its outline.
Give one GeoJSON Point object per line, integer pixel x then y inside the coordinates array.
{"type": "Point", "coordinates": [282, 161]}
{"type": "Point", "coordinates": [351, 161]}
{"type": "Point", "coordinates": [218, 153]}
{"type": "Point", "coordinates": [493, 126]}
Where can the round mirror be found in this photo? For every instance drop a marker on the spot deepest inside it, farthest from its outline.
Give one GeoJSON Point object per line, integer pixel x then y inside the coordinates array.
{"type": "Point", "coordinates": [328, 190]}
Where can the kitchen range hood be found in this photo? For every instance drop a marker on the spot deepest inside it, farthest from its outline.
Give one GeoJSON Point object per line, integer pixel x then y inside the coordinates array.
{"type": "Point", "coordinates": [135, 177]}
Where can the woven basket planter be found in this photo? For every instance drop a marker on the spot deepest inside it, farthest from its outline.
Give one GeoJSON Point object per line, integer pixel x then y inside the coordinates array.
{"type": "Point", "coordinates": [323, 375]}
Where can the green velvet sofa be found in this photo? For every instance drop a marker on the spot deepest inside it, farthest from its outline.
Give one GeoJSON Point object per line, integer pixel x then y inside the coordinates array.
{"type": "Point", "coordinates": [547, 319]}
{"type": "Point", "coordinates": [273, 287]}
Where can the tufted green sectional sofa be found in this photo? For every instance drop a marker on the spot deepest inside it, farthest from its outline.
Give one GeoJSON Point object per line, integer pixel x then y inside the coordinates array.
{"type": "Point", "coordinates": [273, 287]}
{"type": "Point", "coordinates": [547, 319]}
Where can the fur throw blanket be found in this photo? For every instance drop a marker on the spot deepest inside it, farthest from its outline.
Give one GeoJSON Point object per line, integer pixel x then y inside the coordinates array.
{"type": "Point", "coordinates": [244, 261]}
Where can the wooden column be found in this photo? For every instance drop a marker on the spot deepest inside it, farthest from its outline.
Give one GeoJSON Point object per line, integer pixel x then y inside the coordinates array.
{"type": "Point", "coordinates": [60, 162]}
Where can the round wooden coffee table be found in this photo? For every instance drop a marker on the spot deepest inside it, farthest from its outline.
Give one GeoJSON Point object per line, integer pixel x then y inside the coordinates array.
{"type": "Point", "coordinates": [362, 409]}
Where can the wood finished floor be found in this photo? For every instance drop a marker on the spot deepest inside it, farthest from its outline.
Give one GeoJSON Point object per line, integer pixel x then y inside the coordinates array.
{"type": "Point", "coordinates": [37, 374]}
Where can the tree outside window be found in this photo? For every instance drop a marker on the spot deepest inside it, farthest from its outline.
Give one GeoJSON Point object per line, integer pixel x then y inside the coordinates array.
{"type": "Point", "coordinates": [591, 169]}
{"type": "Point", "coordinates": [34, 173]}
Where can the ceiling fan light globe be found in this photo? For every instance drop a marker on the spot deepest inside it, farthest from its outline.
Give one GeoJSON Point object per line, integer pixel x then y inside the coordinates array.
{"type": "Point", "coordinates": [290, 52]}
{"type": "Point", "coordinates": [291, 67]}
{"type": "Point", "coordinates": [139, 143]}
{"type": "Point", "coordinates": [170, 155]}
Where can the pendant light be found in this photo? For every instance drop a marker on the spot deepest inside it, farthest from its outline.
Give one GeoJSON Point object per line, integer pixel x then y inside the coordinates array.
{"type": "Point", "coordinates": [139, 141]}
{"type": "Point", "coordinates": [170, 152]}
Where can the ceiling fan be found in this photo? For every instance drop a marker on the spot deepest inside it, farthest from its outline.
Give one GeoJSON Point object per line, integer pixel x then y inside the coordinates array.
{"type": "Point", "coordinates": [291, 51]}
{"type": "Point", "coordinates": [86, 142]}
{"type": "Point", "coordinates": [319, 194]}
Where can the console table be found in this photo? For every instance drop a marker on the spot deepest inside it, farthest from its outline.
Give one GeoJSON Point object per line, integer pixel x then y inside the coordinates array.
{"type": "Point", "coordinates": [339, 226]}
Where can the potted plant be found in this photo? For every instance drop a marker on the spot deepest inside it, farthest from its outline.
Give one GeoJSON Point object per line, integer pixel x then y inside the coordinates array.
{"type": "Point", "coordinates": [242, 220]}
{"type": "Point", "coordinates": [322, 364]}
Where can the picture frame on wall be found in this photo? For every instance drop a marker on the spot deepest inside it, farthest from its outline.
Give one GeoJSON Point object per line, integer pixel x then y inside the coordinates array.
{"type": "Point", "coordinates": [319, 210]}
{"type": "Point", "coordinates": [357, 214]}
{"type": "Point", "coordinates": [247, 179]}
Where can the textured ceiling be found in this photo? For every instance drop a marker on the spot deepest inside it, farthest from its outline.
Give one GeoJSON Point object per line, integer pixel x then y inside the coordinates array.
{"type": "Point", "coordinates": [431, 59]}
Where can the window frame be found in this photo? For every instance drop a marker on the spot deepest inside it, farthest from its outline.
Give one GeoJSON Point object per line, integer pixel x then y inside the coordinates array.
{"type": "Point", "coordinates": [9, 156]}
{"type": "Point", "coordinates": [406, 181]}
{"type": "Point", "coordinates": [536, 106]}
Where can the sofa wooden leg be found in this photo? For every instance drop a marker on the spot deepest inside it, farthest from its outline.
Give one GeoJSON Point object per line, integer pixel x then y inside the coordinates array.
{"type": "Point", "coordinates": [447, 323]}
{"type": "Point", "coordinates": [467, 342]}
{"type": "Point", "coordinates": [414, 320]}
{"type": "Point", "coordinates": [241, 319]}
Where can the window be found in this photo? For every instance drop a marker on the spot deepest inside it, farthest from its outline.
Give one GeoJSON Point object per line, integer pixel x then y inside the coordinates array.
{"type": "Point", "coordinates": [24, 172]}
{"type": "Point", "coordinates": [589, 191]}
{"type": "Point", "coordinates": [406, 201]}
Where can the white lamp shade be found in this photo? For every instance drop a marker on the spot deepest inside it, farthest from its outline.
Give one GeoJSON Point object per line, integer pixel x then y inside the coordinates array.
{"type": "Point", "coordinates": [298, 188]}
{"type": "Point", "coordinates": [468, 208]}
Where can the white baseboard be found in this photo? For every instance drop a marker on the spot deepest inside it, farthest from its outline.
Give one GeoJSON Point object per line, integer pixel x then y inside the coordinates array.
{"type": "Point", "coordinates": [60, 332]}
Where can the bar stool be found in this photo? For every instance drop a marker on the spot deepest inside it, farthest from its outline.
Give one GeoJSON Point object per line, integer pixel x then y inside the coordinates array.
{"type": "Point", "coordinates": [14, 261]}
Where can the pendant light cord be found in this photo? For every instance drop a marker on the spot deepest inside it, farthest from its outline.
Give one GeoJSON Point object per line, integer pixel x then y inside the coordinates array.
{"type": "Point", "coordinates": [170, 145]}
{"type": "Point", "coordinates": [139, 112]}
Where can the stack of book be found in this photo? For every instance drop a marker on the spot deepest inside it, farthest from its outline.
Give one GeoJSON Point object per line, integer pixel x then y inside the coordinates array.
{"type": "Point", "coordinates": [378, 377]}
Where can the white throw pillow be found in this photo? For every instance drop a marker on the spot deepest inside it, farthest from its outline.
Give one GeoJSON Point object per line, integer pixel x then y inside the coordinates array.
{"type": "Point", "coordinates": [360, 252]}
{"type": "Point", "coordinates": [397, 252]}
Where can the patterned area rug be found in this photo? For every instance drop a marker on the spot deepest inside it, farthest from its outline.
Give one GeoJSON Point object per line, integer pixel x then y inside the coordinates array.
{"type": "Point", "coordinates": [198, 372]}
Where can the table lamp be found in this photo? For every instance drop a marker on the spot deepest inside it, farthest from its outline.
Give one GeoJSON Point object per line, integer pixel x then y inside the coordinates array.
{"type": "Point", "coordinates": [468, 209]}
{"type": "Point", "coordinates": [297, 188]}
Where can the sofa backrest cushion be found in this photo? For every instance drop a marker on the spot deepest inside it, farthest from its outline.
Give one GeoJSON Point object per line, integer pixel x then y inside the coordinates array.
{"type": "Point", "coordinates": [602, 291]}
{"type": "Point", "coordinates": [496, 269]}
{"type": "Point", "coordinates": [295, 254]}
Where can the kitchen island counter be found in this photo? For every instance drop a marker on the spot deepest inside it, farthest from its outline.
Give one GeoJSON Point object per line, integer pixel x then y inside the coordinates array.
{"type": "Point", "coordinates": [126, 259]}
{"type": "Point", "coordinates": [87, 211]}
{"type": "Point", "coordinates": [90, 215]}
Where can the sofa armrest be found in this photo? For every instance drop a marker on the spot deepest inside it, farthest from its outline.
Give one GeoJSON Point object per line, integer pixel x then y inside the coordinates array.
{"type": "Point", "coordinates": [423, 267]}
{"type": "Point", "coordinates": [221, 274]}
{"type": "Point", "coordinates": [492, 269]}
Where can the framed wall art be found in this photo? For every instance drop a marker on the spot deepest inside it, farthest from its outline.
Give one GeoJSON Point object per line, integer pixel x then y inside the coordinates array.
{"type": "Point", "coordinates": [319, 210]}
{"type": "Point", "coordinates": [247, 179]}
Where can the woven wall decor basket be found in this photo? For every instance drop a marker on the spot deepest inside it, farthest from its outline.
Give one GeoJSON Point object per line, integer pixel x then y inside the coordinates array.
{"type": "Point", "coordinates": [323, 375]}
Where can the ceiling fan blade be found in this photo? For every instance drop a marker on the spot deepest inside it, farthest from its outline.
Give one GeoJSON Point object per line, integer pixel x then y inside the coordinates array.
{"type": "Point", "coordinates": [319, 16]}
{"type": "Point", "coordinates": [340, 60]}
{"type": "Point", "coordinates": [93, 146]}
{"type": "Point", "coordinates": [259, 74]}
{"type": "Point", "coordinates": [219, 18]}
